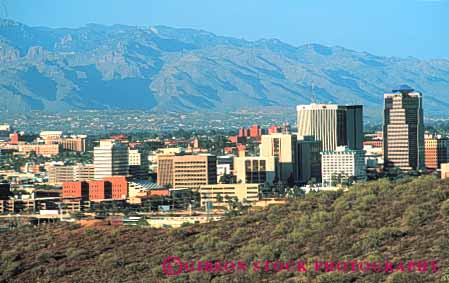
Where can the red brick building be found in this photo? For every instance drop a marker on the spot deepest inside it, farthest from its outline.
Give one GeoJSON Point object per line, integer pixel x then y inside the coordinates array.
{"type": "Point", "coordinates": [274, 130]}
{"type": "Point", "coordinates": [119, 186]}
{"type": "Point", "coordinates": [14, 138]}
{"type": "Point", "coordinates": [374, 143]}
{"type": "Point", "coordinates": [99, 190]}
{"type": "Point", "coordinates": [243, 132]}
{"type": "Point", "coordinates": [75, 190]}
{"type": "Point", "coordinates": [255, 131]}
{"type": "Point", "coordinates": [435, 151]}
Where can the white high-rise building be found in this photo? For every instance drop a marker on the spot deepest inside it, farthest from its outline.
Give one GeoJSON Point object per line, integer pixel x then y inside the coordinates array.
{"type": "Point", "coordinates": [333, 125]}
{"type": "Point", "coordinates": [110, 159]}
{"type": "Point", "coordinates": [342, 164]}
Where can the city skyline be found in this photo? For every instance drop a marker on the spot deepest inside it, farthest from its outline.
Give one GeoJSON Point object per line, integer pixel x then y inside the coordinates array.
{"type": "Point", "coordinates": [173, 140]}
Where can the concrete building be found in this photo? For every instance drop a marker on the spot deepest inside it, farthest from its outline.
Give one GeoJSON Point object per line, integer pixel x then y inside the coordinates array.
{"type": "Point", "coordinates": [50, 137]}
{"type": "Point", "coordinates": [74, 143]}
{"type": "Point", "coordinates": [309, 159]}
{"type": "Point", "coordinates": [110, 159]}
{"type": "Point", "coordinates": [283, 147]}
{"type": "Point", "coordinates": [5, 191]}
{"type": "Point", "coordinates": [85, 172]}
{"type": "Point", "coordinates": [58, 174]}
{"type": "Point", "coordinates": [403, 130]}
{"type": "Point", "coordinates": [255, 169]}
{"type": "Point", "coordinates": [219, 194]}
{"type": "Point", "coordinates": [138, 164]}
{"type": "Point", "coordinates": [142, 188]}
{"type": "Point", "coordinates": [436, 151]}
{"type": "Point", "coordinates": [444, 170]}
{"type": "Point", "coordinates": [334, 125]}
{"type": "Point", "coordinates": [47, 150]}
{"type": "Point", "coordinates": [342, 164]}
{"type": "Point", "coordinates": [187, 171]}
{"type": "Point", "coordinates": [5, 130]}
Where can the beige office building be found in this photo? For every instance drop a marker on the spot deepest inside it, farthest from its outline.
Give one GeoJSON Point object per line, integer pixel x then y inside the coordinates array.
{"type": "Point", "coordinates": [403, 130]}
{"type": "Point", "coordinates": [282, 146]}
{"type": "Point", "coordinates": [58, 174]}
{"type": "Point", "coordinates": [74, 143]}
{"type": "Point", "coordinates": [334, 125]}
{"type": "Point", "coordinates": [187, 171]}
{"type": "Point", "coordinates": [219, 194]}
{"type": "Point", "coordinates": [138, 164]}
{"type": "Point", "coordinates": [444, 170]}
{"type": "Point", "coordinates": [255, 169]}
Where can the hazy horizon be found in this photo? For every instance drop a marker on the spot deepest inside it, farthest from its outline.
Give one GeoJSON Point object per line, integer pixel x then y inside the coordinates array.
{"type": "Point", "coordinates": [400, 28]}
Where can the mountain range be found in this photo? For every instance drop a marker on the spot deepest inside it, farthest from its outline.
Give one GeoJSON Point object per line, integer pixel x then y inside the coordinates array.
{"type": "Point", "coordinates": [161, 68]}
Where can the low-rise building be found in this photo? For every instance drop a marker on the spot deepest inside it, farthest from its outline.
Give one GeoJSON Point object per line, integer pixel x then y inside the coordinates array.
{"type": "Point", "coordinates": [255, 169]}
{"type": "Point", "coordinates": [342, 165]}
{"type": "Point", "coordinates": [436, 151]}
{"type": "Point", "coordinates": [221, 193]}
{"type": "Point", "coordinates": [187, 171]}
{"type": "Point", "coordinates": [444, 170]}
{"type": "Point", "coordinates": [47, 150]}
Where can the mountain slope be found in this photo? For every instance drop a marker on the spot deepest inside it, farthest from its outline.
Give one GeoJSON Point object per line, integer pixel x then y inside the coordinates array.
{"type": "Point", "coordinates": [162, 68]}
{"type": "Point", "coordinates": [378, 221]}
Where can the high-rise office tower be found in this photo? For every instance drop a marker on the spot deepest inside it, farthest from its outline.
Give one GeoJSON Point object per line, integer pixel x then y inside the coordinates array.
{"type": "Point", "coordinates": [334, 125]}
{"type": "Point", "coordinates": [110, 159]}
{"type": "Point", "coordinates": [403, 129]}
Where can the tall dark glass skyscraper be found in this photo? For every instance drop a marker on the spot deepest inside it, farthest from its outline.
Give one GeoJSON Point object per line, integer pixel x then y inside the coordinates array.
{"type": "Point", "coordinates": [403, 129]}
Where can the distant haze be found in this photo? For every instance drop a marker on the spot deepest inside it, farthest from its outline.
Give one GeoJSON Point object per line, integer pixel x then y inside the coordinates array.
{"type": "Point", "coordinates": [168, 69]}
{"type": "Point", "coordinates": [403, 28]}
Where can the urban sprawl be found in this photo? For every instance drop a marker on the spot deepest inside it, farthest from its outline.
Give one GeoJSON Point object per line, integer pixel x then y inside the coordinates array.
{"type": "Point", "coordinates": [173, 181]}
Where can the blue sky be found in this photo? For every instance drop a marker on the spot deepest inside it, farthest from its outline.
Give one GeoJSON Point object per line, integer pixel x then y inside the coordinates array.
{"type": "Point", "coordinates": [418, 28]}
